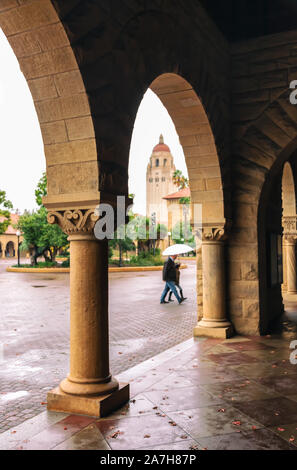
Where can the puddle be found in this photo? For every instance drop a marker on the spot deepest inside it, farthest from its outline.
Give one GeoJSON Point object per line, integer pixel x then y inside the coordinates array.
{"type": "Point", "coordinates": [13, 396]}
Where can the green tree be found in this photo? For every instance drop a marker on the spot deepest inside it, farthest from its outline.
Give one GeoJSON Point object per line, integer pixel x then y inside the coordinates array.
{"type": "Point", "coordinates": [40, 237]}
{"type": "Point", "coordinates": [122, 242]}
{"type": "Point", "coordinates": [41, 189]}
{"type": "Point", "coordinates": [5, 205]}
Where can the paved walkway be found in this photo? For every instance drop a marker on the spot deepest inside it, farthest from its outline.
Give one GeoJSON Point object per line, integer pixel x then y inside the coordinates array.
{"type": "Point", "coordinates": [203, 394]}
{"type": "Point", "coordinates": [34, 331]}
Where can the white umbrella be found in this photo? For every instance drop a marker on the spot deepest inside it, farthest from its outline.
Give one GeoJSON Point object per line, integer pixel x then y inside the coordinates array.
{"type": "Point", "coordinates": [177, 249]}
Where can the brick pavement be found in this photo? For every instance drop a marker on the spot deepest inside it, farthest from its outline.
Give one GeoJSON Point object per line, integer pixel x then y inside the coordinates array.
{"type": "Point", "coordinates": [34, 332]}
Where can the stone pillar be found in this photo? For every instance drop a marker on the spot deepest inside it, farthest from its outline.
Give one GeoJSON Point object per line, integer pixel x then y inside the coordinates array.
{"type": "Point", "coordinates": [290, 248]}
{"type": "Point", "coordinates": [214, 322]}
{"type": "Point", "coordinates": [89, 388]}
{"type": "Point", "coordinates": [284, 284]}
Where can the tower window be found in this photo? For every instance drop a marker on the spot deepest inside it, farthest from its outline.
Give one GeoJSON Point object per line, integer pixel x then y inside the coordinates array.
{"type": "Point", "coordinates": [163, 179]}
{"type": "Point", "coordinates": [151, 180]}
{"type": "Point", "coordinates": [157, 162]}
{"type": "Point", "coordinates": [165, 161]}
{"type": "Point", "coordinates": [157, 180]}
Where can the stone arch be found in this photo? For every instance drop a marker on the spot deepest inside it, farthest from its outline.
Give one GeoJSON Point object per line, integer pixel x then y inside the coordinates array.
{"type": "Point", "coordinates": [10, 249]}
{"type": "Point", "coordinates": [279, 144]}
{"type": "Point", "coordinates": [288, 218]}
{"type": "Point", "coordinates": [197, 139]}
{"type": "Point", "coordinates": [288, 191]}
{"type": "Point", "coordinates": [41, 45]}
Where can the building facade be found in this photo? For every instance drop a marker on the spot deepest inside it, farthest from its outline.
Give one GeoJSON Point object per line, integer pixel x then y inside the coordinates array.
{"type": "Point", "coordinates": [226, 76]}
{"type": "Point", "coordinates": [159, 182]}
{"type": "Point", "coordinates": [9, 239]}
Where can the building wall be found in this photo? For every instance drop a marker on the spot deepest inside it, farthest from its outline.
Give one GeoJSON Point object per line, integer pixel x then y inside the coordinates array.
{"type": "Point", "coordinates": [159, 184]}
{"type": "Point", "coordinates": [264, 130]}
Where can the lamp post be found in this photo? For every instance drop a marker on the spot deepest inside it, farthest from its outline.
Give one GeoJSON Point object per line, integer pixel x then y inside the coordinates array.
{"type": "Point", "coordinates": [18, 233]}
{"type": "Point", "coordinates": [153, 219]}
{"type": "Point", "coordinates": [169, 235]}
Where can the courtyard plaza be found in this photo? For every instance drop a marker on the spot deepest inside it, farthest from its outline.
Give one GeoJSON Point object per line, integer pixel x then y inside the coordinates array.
{"type": "Point", "coordinates": [185, 393]}
{"type": "Point", "coordinates": [34, 334]}
{"type": "Point", "coordinates": [204, 394]}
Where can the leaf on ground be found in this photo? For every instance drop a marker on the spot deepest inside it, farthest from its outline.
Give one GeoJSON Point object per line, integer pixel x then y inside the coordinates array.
{"type": "Point", "coordinates": [115, 434]}
{"type": "Point", "coordinates": [280, 429]}
{"type": "Point", "coordinates": [147, 436]}
{"type": "Point", "coordinates": [236, 423]}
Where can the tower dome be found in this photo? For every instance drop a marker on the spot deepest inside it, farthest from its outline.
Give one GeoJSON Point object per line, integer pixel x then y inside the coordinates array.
{"type": "Point", "coordinates": [161, 147]}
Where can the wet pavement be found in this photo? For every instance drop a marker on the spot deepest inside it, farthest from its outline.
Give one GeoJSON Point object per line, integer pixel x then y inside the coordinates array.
{"type": "Point", "coordinates": [34, 331]}
{"type": "Point", "coordinates": [204, 394]}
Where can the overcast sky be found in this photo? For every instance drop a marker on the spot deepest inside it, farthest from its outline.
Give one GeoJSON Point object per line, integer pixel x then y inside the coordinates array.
{"type": "Point", "coordinates": [21, 148]}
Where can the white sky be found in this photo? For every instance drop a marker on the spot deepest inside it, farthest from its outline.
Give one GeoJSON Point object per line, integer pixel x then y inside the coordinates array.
{"type": "Point", "coordinates": [21, 147]}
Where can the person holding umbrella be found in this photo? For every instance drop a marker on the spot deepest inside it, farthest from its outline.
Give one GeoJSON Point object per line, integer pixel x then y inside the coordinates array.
{"type": "Point", "coordinates": [170, 271]}
{"type": "Point", "coordinates": [177, 283]}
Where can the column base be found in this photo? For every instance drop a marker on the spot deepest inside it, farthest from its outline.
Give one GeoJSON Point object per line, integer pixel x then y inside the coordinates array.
{"type": "Point", "coordinates": [221, 333]}
{"type": "Point", "coordinates": [98, 406]}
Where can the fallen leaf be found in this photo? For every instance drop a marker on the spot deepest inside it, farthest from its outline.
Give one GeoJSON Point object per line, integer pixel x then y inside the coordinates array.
{"type": "Point", "coordinates": [147, 436]}
{"type": "Point", "coordinates": [280, 429]}
{"type": "Point", "coordinates": [236, 423]}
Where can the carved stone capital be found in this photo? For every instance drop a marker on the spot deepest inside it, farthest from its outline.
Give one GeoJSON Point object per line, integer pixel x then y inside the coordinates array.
{"type": "Point", "coordinates": [74, 221]}
{"type": "Point", "coordinates": [212, 232]}
{"type": "Point", "coordinates": [289, 224]}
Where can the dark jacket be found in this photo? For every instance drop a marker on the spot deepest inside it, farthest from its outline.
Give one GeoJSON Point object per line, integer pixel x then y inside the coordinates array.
{"type": "Point", "coordinates": [169, 271]}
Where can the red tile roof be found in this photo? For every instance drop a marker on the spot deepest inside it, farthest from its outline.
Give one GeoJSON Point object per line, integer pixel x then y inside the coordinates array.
{"type": "Point", "coordinates": [14, 220]}
{"type": "Point", "coordinates": [179, 194]}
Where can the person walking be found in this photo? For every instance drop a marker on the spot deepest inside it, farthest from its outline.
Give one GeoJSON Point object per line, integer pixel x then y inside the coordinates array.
{"type": "Point", "coordinates": [169, 276]}
{"type": "Point", "coordinates": [177, 283]}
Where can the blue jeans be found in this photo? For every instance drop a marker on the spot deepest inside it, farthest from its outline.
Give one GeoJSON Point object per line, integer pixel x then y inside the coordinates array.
{"type": "Point", "coordinates": [170, 285]}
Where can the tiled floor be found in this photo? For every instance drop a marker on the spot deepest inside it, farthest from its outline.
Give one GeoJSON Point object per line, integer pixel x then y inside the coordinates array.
{"type": "Point", "coordinates": [34, 332]}
{"type": "Point", "coordinates": [202, 394]}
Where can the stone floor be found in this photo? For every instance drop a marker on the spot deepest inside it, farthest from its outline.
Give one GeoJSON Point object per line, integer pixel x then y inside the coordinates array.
{"type": "Point", "coordinates": [202, 394]}
{"type": "Point", "coordinates": [34, 331]}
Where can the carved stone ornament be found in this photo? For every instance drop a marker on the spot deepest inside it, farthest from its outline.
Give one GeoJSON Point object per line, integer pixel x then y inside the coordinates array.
{"type": "Point", "coordinates": [289, 225]}
{"type": "Point", "coordinates": [213, 232]}
{"type": "Point", "coordinates": [74, 221]}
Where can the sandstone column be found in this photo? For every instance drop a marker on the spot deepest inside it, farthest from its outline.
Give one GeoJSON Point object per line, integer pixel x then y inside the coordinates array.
{"type": "Point", "coordinates": [214, 322]}
{"type": "Point", "coordinates": [89, 387]}
{"type": "Point", "coordinates": [284, 251]}
{"type": "Point", "coordinates": [290, 247]}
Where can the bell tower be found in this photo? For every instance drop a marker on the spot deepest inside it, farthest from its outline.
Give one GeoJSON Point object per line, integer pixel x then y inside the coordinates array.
{"type": "Point", "coordinates": [159, 182]}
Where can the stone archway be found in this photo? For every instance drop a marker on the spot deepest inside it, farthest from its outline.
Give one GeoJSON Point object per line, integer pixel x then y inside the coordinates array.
{"type": "Point", "coordinates": [289, 223]}
{"type": "Point", "coordinates": [10, 249]}
{"type": "Point", "coordinates": [43, 50]}
{"type": "Point", "coordinates": [87, 71]}
{"type": "Point", "coordinates": [278, 147]}
{"type": "Point", "coordinates": [206, 184]}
